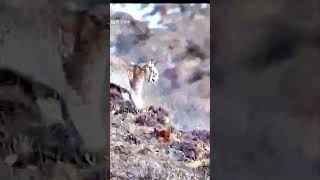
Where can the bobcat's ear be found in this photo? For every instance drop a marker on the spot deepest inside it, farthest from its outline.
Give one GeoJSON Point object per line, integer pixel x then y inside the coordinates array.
{"type": "Point", "coordinates": [155, 63]}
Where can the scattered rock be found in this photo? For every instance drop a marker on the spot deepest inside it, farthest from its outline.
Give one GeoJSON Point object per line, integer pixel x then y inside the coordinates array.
{"type": "Point", "coordinates": [136, 144]}
{"type": "Point", "coordinates": [203, 135]}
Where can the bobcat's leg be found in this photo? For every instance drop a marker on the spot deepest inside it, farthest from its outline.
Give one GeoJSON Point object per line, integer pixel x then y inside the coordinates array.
{"type": "Point", "coordinates": [42, 91]}
{"type": "Point", "coordinates": [74, 139]}
{"type": "Point", "coordinates": [126, 96]}
{"type": "Point", "coordinates": [137, 100]}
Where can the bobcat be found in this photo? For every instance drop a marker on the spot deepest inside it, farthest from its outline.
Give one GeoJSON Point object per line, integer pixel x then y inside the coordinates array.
{"type": "Point", "coordinates": [60, 54]}
{"type": "Point", "coordinates": [130, 77]}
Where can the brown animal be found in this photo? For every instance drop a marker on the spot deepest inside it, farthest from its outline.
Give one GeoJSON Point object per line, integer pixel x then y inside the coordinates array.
{"type": "Point", "coordinates": [165, 134]}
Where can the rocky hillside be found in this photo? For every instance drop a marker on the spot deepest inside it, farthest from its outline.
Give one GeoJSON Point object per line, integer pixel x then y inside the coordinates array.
{"type": "Point", "coordinates": [170, 139]}
{"type": "Point", "coordinates": [148, 146]}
